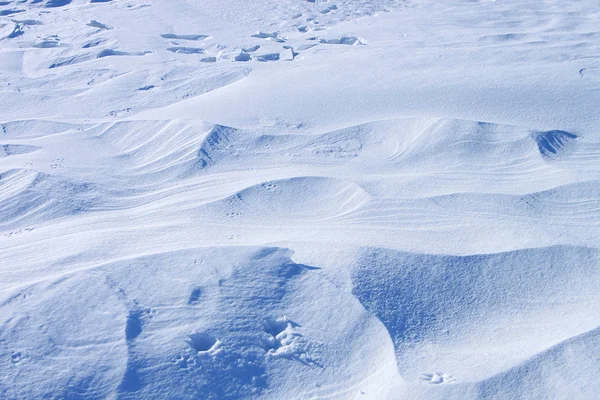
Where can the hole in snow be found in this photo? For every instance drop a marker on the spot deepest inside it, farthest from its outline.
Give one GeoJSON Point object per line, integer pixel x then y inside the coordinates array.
{"type": "Point", "coordinates": [201, 341]}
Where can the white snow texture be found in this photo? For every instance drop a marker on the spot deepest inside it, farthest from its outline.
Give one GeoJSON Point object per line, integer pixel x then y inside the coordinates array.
{"type": "Point", "coordinates": [300, 199]}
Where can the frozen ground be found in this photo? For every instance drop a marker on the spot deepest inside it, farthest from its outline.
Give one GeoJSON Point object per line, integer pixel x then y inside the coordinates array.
{"type": "Point", "coordinates": [229, 199]}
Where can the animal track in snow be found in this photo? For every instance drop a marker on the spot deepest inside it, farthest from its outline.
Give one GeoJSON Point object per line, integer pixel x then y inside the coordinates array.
{"type": "Point", "coordinates": [281, 331]}
{"type": "Point", "coordinates": [16, 357]}
{"type": "Point", "coordinates": [437, 378]}
{"type": "Point", "coordinates": [285, 342]}
{"type": "Point", "coordinates": [185, 362]}
{"type": "Point", "coordinates": [133, 327]}
{"type": "Point", "coordinates": [268, 186]}
{"type": "Point", "coordinates": [202, 342]}
{"type": "Point", "coordinates": [20, 231]}
{"type": "Point", "coordinates": [57, 163]}
{"type": "Point", "coordinates": [116, 113]}
{"type": "Point", "coordinates": [137, 6]}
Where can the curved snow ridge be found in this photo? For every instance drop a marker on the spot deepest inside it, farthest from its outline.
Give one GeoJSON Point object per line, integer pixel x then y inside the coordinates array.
{"type": "Point", "coordinates": [167, 154]}
{"type": "Point", "coordinates": [435, 144]}
{"type": "Point", "coordinates": [228, 145]}
{"type": "Point", "coordinates": [27, 129]}
{"type": "Point", "coordinates": [552, 373]}
{"type": "Point", "coordinates": [7, 150]}
{"type": "Point", "coordinates": [472, 146]}
{"type": "Point", "coordinates": [31, 197]}
{"type": "Point", "coordinates": [442, 310]}
{"type": "Point", "coordinates": [573, 204]}
{"type": "Point", "coordinates": [175, 149]}
{"type": "Point", "coordinates": [233, 322]}
{"type": "Point", "coordinates": [470, 152]}
{"type": "Point", "coordinates": [446, 154]}
{"type": "Point", "coordinates": [297, 198]}
{"type": "Point", "coordinates": [219, 143]}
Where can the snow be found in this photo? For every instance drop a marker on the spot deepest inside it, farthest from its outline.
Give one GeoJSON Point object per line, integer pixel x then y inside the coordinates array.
{"type": "Point", "coordinates": [380, 199]}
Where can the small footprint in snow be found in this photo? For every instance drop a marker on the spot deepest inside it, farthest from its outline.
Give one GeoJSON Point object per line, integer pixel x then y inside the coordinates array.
{"type": "Point", "coordinates": [136, 7]}
{"type": "Point", "coordinates": [285, 341]}
{"type": "Point", "coordinates": [13, 233]}
{"type": "Point", "coordinates": [281, 331]}
{"type": "Point", "coordinates": [16, 357]}
{"type": "Point", "coordinates": [116, 113]}
{"type": "Point", "coordinates": [56, 163]}
{"type": "Point", "coordinates": [185, 362]}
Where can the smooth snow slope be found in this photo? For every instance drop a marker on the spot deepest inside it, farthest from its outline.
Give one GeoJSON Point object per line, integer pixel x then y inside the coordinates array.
{"type": "Point", "coordinates": [381, 199]}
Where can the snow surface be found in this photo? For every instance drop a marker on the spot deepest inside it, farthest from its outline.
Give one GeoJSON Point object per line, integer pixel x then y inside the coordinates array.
{"type": "Point", "coordinates": [291, 199]}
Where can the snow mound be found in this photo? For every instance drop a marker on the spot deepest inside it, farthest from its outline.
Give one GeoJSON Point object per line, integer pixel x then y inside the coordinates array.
{"type": "Point", "coordinates": [498, 302]}
{"type": "Point", "coordinates": [206, 332]}
{"type": "Point", "coordinates": [225, 199]}
{"type": "Point", "coordinates": [42, 197]}
{"type": "Point", "coordinates": [297, 198]}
